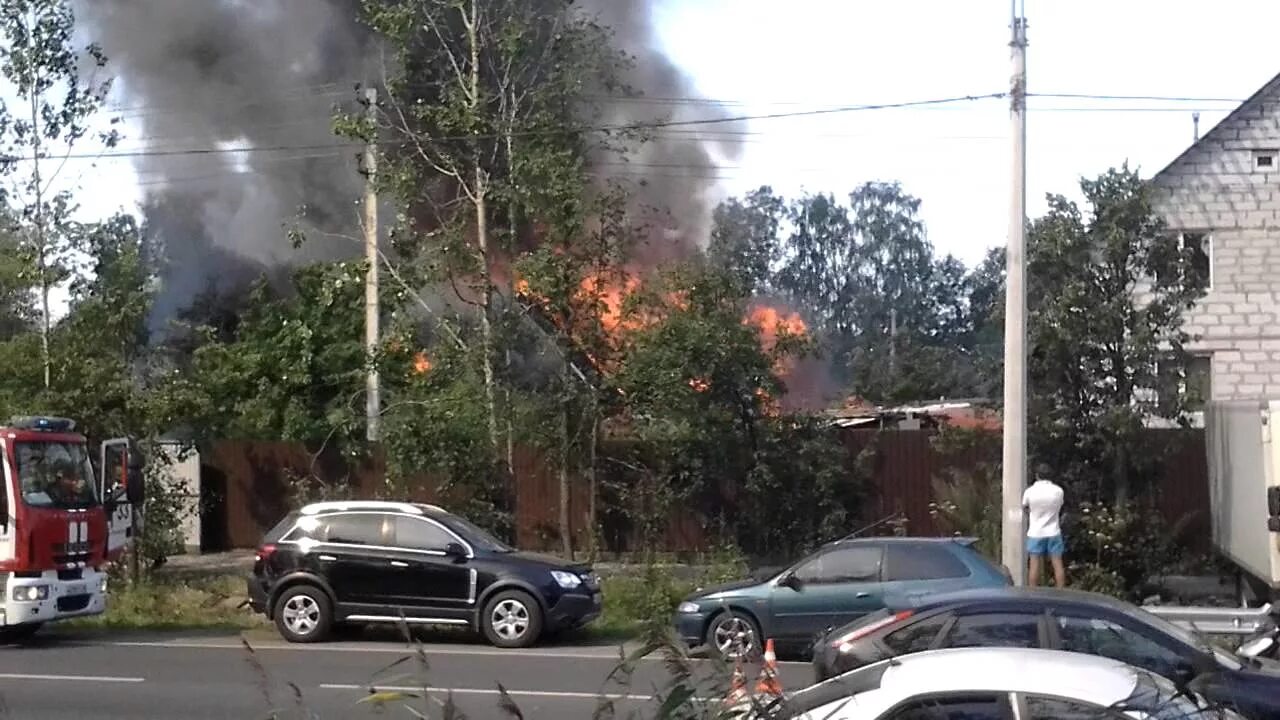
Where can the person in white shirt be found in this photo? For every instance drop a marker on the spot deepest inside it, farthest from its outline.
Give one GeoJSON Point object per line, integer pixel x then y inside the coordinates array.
{"type": "Point", "coordinates": [1043, 501]}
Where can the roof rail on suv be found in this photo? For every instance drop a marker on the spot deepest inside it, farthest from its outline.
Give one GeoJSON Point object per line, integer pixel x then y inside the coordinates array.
{"type": "Point", "coordinates": [386, 505]}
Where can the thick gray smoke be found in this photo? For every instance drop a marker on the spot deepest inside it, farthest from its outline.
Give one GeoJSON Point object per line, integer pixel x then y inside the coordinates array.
{"type": "Point", "coordinates": [261, 74]}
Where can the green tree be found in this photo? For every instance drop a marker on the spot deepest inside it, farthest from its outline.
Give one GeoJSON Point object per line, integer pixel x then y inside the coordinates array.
{"type": "Point", "coordinates": [1107, 295]}
{"type": "Point", "coordinates": [17, 312]}
{"type": "Point", "coordinates": [745, 239]}
{"type": "Point", "coordinates": [483, 119]}
{"type": "Point", "coordinates": [43, 70]}
{"type": "Point", "coordinates": [700, 389]}
{"type": "Point", "coordinates": [294, 371]}
{"type": "Point", "coordinates": [893, 318]}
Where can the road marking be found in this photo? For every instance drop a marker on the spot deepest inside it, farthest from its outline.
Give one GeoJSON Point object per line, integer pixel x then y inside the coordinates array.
{"type": "Point", "coordinates": [493, 692]}
{"type": "Point", "coordinates": [604, 654]}
{"type": "Point", "coordinates": [72, 678]}
{"type": "Point", "coordinates": [197, 645]}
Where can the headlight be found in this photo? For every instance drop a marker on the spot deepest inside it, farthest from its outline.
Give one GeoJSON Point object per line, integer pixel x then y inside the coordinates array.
{"type": "Point", "coordinates": [689, 607]}
{"type": "Point", "coordinates": [29, 593]}
{"type": "Point", "coordinates": [566, 580]}
{"type": "Point", "coordinates": [102, 585]}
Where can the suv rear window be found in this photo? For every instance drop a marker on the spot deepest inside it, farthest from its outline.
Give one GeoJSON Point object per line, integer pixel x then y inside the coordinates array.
{"type": "Point", "coordinates": [922, 562]}
{"type": "Point", "coordinates": [276, 534]}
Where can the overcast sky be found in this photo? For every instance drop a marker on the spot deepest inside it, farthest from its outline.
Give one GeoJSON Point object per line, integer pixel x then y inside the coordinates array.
{"type": "Point", "coordinates": [824, 53]}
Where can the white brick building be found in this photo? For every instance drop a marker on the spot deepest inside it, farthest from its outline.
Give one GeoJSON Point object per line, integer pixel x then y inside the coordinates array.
{"type": "Point", "coordinates": [1223, 195]}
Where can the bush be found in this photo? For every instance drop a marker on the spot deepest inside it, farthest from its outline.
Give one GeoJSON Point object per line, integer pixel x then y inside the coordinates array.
{"type": "Point", "coordinates": [967, 502]}
{"type": "Point", "coordinates": [1117, 549]}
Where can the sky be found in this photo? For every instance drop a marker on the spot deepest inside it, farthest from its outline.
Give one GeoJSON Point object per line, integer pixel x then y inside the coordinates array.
{"type": "Point", "coordinates": [760, 58]}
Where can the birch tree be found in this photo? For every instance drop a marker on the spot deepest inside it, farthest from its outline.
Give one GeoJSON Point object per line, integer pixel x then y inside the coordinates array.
{"type": "Point", "coordinates": [48, 122]}
{"type": "Point", "coordinates": [490, 112]}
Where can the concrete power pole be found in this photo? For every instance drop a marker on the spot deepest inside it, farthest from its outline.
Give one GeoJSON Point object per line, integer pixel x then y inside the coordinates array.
{"type": "Point", "coordinates": [1015, 325]}
{"type": "Point", "coordinates": [373, 403]}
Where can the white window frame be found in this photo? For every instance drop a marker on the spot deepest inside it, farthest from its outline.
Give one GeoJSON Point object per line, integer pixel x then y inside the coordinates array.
{"type": "Point", "coordinates": [1271, 153]}
{"type": "Point", "coordinates": [1207, 243]}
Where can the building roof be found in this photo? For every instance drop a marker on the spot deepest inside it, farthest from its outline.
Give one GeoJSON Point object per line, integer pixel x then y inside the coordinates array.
{"type": "Point", "coordinates": [1271, 87]}
{"type": "Point", "coordinates": [964, 413]}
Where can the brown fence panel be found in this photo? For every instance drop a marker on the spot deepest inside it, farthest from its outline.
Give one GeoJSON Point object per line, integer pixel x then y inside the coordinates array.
{"type": "Point", "coordinates": [247, 487]}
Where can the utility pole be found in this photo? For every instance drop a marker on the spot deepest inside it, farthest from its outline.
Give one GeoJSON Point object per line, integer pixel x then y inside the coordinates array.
{"type": "Point", "coordinates": [373, 403]}
{"type": "Point", "coordinates": [1015, 323]}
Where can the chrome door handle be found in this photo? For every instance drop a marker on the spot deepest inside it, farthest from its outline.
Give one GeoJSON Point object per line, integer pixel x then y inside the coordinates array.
{"type": "Point", "coordinates": [862, 595]}
{"type": "Point", "coordinates": [328, 558]}
{"type": "Point", "coordinates": [397, 563]}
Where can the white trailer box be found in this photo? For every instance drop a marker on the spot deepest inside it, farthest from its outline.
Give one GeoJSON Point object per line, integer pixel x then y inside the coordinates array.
{"type": "Point", "coordinates": [1243, 444]}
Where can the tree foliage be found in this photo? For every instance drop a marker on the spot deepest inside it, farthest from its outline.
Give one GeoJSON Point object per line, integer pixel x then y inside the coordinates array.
{"type": "Point", "coordinates": [1108, 289]}
{"type": "Point", "coordinates": [43, 71]}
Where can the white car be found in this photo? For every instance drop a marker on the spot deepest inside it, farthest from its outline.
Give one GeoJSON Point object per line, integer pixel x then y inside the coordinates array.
{"type": "Point", "coordinates": [990, 683]}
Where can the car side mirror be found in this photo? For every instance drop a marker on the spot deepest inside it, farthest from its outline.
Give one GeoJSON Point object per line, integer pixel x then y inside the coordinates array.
{"type": "Point", "coordinates": [790, 580]}
{"type": "Point", "coordinates": [455, 550]}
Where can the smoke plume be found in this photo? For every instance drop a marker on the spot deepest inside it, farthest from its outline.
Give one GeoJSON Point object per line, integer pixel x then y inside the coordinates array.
{"type": "Point", "coordinates": [257, 75]}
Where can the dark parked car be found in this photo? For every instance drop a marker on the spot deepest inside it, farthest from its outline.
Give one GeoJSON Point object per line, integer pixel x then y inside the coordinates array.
{"type": "Point", "coordinates": [839, 582]}
{"type": "Point", "coordinates": [353, 563]}
{"type": "Point", "coordinates": [1055, 619]}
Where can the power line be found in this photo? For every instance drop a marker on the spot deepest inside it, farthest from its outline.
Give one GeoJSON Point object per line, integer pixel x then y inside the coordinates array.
{"type": "Point", "coordinates": [631, 127]}
{"type": "Point", "coordinates": [1152, 98]}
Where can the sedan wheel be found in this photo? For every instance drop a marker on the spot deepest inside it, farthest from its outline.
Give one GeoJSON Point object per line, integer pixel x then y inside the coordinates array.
{"type": "Point", "coordinates": [734, 636]}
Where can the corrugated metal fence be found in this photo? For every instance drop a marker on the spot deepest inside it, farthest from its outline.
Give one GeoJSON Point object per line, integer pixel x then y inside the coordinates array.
{"type": "Point", "coordinates": [248, 486]}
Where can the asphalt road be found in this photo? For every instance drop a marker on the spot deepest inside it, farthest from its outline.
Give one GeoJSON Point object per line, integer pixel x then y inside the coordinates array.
{"type": "Point", "coordinates": [70, 675]}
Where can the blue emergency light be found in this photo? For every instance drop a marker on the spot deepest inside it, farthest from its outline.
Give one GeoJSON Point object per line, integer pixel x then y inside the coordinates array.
{"type": "Point", "coordinates": [43, 424]}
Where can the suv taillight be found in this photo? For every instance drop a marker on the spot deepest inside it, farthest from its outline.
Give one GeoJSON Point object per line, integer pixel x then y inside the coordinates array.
{"type": "Point", "coordinates": [844, 642]}
{"type": "Point", "coordinates": [264, 553]}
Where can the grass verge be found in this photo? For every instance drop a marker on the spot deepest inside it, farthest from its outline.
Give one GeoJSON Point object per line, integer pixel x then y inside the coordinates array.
{"type": "Point", "coordinates": [187, 603]}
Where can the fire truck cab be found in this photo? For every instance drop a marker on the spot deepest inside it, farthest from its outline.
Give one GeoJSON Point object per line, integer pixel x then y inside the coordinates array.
{"type": "Point", "coordinates": [60, 522]}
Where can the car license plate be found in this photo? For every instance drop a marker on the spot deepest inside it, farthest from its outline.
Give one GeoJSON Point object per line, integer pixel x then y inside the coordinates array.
{"type": "Point", "coordinates": [77, 589]}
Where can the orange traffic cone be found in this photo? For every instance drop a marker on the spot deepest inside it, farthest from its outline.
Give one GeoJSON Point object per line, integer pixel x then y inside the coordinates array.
{"type": "Point", "coordinates": [738, 696]}
{"type": "Point", "coordinates": [769, 684]}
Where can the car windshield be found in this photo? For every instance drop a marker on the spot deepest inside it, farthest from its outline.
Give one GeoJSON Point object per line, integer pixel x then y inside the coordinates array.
{"type": "Point", "coordinates": [477, 536]}
{"type": "Point", "coordinates": [1160, 699]}
{"type": "Point", "coordinates": [55, 474]}
{"type": "Point", "coordinates": [1192, 638]}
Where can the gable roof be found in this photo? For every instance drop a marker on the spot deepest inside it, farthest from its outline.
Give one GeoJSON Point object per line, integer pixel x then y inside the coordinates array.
{"type": "Point", "coordinates": [1250, 103]}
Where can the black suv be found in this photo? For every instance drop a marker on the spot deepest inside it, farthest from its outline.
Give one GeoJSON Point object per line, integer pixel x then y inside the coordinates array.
{"type": "Point", "coordinates": [353, 563]}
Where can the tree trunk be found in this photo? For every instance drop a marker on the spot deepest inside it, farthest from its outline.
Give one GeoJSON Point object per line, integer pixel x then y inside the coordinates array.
{"type": "Point", "coordinates": [566, 530]}
{"type": "Point", "coordinates": [480, 193]}
{"type": "Point", "coordinates": [590, 471]}
{"type": "Point", "coordinates": [42, 261]}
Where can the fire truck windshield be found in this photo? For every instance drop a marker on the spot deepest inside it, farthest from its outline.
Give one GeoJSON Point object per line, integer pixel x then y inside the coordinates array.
{"type": "Point", "coordinates": [55, 474]}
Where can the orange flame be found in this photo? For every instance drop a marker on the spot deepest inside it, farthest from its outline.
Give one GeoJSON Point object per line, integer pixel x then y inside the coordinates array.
{"type": "Point", "coordinates": [768, 404]}
{"type": "Point", "coordinates": [611, 296]}
{"type": "Point", "coordinates": [773, 323]}
{"type": "Point", "coordinates": [421, 363]}
{"type": "Point", "coordinates": [700, 384]}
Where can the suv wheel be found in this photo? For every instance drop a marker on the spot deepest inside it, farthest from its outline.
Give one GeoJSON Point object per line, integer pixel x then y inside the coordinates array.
{"type": "Point", "coordinates": [511, 619]}
{"type": "Point", "coordinates": [303, 614]}
{"type": "Point", "coordinates": [734, 636]}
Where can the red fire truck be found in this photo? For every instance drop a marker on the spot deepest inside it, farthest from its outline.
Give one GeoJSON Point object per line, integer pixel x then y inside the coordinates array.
{"type": "Point", "coordinates": [60, 523]}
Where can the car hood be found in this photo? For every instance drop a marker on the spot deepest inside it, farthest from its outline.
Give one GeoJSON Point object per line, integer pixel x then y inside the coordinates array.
{"type": "Point", "coordinates": [737, 587]}
{"type": "Point", "coordinates": [551, 562]}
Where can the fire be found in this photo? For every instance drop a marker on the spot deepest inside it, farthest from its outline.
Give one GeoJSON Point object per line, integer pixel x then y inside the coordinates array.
{"type": "Point", "coordinates": [768, 403]}
{"type": "Point", "coordinates": [611, 296]}
{"type": "Point", "coordinates": [773, 323]}
{"type": "Point", "coordinates": [699, 384]}
{"type": "Point", "coordinates": [421, 363]}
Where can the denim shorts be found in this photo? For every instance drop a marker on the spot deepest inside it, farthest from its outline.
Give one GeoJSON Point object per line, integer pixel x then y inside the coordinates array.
{"type": "Point", "coordinates": [1046, 545]}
